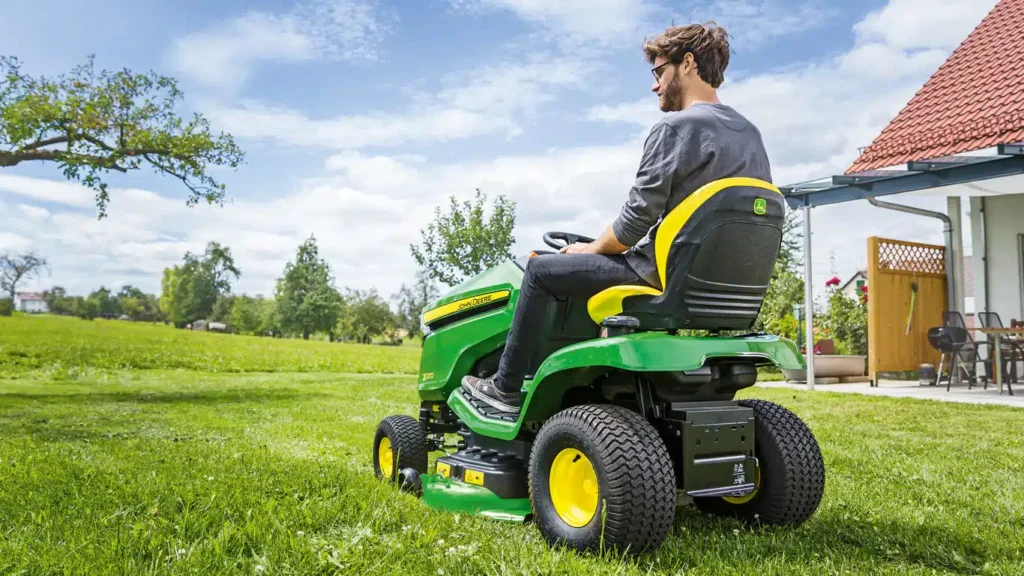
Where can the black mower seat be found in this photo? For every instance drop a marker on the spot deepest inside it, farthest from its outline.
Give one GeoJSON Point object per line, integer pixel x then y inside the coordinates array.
{"type": "Point", "coordinates": [714, 253]}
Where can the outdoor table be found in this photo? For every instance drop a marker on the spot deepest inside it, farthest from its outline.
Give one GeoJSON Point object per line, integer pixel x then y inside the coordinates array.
{"type": "Point", "coordinates": [997, 336]}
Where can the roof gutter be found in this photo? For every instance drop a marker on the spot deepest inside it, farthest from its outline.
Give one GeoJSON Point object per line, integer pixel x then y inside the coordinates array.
{"type": "Point", "coordinates": [947, 230]}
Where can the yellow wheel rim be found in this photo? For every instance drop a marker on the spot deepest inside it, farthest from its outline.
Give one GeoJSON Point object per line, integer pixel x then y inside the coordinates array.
{"type": "Point", "coordinates": [385, 457]}
{"type": "Point", "coordinates": [573, 487]}
{"type": "Point", "coordinates": [748, 497]}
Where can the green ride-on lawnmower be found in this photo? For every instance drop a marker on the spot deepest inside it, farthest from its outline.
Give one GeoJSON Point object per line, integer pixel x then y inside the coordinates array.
{"type": "Point", "coordinates": [629, 409]}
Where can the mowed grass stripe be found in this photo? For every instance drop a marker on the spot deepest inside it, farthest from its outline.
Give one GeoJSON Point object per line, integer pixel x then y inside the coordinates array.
{"type": "Point", "coordinates": [172, 472]}
{"type": "Point", "coordinates": [62, 348]}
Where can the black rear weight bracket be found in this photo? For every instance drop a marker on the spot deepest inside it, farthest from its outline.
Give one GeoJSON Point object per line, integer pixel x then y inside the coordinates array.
{"type": "Point", "coordinates": [645, 400]}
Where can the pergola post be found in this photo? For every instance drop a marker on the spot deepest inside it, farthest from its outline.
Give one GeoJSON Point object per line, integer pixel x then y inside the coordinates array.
{"type": "Point", "coordinates": [808, 299]}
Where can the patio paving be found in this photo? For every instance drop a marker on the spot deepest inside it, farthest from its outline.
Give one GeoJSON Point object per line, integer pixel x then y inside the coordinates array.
{"type": "Point", "coordinates": [911, 389]}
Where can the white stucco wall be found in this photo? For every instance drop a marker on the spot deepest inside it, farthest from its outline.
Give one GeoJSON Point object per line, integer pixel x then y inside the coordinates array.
{"type": "Point", "coordinates": [1004, 223]}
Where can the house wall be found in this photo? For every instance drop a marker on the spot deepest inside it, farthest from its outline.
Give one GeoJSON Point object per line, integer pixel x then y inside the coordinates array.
{"type": "Point", "coordinates": [998, 236]}
{"type": "Point", "coordinates": [32, 306]}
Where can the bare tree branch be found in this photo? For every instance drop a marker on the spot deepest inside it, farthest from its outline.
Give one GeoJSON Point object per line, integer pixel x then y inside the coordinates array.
{"type": "Point", "coordinates": [15, 268]}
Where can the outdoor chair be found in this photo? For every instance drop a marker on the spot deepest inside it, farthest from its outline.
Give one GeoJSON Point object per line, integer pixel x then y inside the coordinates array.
{"type": "Point", "coordinates": [1011, 350]}
{"type": "Point", "coordinates": [992, 320]}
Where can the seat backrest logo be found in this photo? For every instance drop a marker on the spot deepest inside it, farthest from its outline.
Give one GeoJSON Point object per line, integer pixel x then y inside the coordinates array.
{"type": "Point", "coordinates": [760, 206]}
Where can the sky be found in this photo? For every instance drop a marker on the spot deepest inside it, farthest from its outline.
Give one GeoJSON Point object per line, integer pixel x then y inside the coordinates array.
{"type": "Point", "coordinates": [359, 117]}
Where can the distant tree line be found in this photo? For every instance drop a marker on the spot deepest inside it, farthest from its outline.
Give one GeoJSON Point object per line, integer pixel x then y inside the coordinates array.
{"type": "Point", "coordinates": [130, 301]}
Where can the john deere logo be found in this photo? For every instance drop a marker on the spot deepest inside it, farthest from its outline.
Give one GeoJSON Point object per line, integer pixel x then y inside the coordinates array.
{"type": "Point", "coordinates": [760, 206]}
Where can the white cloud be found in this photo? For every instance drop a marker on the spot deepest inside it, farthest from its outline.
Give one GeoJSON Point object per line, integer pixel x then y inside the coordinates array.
{"type": "Point", "coordinates": [46, 190]}
{"type": "Point", "coordinates": [224, 55]}
{"type": "Point", "coordinates": [753, 22]}
{"type": "Point", "coordinates": [364, 221]}
{"type": "Point", "coordinates": [912, 24]}
{"type": "Point", "coordinates": [584, 24]}
{"type": "Point", "coordinates": [13, 242]}
{"type": "Point", "coordinates": [604, 21]}
{"type": "Point", "coordinates": [470, 103]}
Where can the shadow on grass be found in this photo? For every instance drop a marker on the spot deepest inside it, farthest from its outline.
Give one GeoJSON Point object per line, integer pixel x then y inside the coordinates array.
{"type": "Point", "coordinates": [930, 546]}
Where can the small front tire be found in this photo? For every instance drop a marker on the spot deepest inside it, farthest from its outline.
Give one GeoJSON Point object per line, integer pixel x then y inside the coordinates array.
{"type": "Point", "coordinates": [399, 443]}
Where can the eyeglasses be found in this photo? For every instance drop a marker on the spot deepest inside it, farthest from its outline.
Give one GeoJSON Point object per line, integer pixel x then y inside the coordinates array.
{"type": "Point", "coordinates": [657, 69]}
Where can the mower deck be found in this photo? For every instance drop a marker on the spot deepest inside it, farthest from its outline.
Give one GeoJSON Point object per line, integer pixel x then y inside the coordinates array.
{"type": "Point", "coordinates": [452, 495]}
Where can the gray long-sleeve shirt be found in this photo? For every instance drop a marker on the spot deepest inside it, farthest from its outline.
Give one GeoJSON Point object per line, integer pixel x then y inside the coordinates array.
{"type": "Point", "coordinates": [684, 151]}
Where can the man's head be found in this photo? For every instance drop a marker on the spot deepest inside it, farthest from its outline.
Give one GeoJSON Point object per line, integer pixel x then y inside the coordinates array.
{"type": "Point", "coordinates": [687, 60]}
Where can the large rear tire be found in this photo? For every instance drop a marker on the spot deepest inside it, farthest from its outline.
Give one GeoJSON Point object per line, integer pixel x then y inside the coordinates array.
{"type": "Point", "coordinates": [791, 471]}
{"type": "Point", "coordinates": [601, 474]}
{"type": "Point", "coordinates": [399, 443]}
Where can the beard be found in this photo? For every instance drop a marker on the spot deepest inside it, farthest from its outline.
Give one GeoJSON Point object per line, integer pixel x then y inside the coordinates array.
{"type": "Point", "coordinates": [671, 99]}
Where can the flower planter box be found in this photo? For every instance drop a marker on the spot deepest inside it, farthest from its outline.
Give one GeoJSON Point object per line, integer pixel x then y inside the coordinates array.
{"type": "Point", "coordinates": [831, 366]}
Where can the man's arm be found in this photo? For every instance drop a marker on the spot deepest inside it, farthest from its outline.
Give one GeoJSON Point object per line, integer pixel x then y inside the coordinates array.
{"type": "Point", "coordinates": [664, 150]}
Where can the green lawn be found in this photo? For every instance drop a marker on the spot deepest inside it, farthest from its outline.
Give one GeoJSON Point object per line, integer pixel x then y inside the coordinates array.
{"type": "Point", "coordinates": [66, 347]}
{"type": "Point", "coordinates": [191, 472]}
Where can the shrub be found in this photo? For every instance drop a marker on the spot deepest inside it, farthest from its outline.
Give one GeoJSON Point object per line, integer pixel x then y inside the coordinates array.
{"type": "Point", "coordinates": [6, 307]}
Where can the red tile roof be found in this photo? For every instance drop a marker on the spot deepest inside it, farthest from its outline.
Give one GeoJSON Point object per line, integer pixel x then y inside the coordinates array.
{"type": "Point", "coordinates": [975, 100]}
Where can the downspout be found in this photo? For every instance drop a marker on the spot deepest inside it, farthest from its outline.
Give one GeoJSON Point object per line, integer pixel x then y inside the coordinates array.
{"type": "Point", "coordinates": [947, 230]}
{"type": "Point", "coordinates": [984, 261]}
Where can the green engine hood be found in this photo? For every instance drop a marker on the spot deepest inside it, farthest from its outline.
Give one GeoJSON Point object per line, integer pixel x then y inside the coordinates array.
{"type": "Point", "coordinates": [469, 321]}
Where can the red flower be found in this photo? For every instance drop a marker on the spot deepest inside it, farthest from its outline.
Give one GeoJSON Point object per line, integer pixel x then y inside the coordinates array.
{"type": "Point", "coordinates": [864, 288]}
{"type": "Point", "coordinates": [833, 281]}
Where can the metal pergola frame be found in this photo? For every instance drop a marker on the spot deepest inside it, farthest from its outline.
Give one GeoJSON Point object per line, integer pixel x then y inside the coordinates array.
{"type": "Point", "coordinates": [918, 176]}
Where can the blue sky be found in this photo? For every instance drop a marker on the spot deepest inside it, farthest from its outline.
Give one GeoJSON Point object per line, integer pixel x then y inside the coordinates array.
{"type": "Point", "coordinates": [359, 116]}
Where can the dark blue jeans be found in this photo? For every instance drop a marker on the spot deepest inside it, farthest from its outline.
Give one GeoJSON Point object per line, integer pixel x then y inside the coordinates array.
{"type": "Point", "coordinates": [547, 277]}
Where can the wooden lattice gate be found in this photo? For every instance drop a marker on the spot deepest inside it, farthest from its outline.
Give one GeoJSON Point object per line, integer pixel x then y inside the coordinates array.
{"type": "Point", "coordinates": [893, 267]}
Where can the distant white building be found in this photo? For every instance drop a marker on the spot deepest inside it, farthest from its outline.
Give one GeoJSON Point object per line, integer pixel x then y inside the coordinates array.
{"type": "Point", "coordinates": [852, 287]}
{"type": "Point", "coordinates": [30, 302]}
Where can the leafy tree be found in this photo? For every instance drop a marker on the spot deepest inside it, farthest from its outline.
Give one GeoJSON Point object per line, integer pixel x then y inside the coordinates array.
{"type": "Point", "coordinates": [17, 267]}
{"type": "Point", "coordinates": [222, 309]}
{"type": "Point", "coordinates": [787, 285]}
{"type": "Point", "coordinates": [85, 308]}
{"type": "Point", "coordinates": [190, 290]}
{"type": "Point", "coordinates": [150, 309]}
{"type": "Point", "coordinates": [306, 297]}
{"type": "Point", "coordinates": [172, 303]}
{"type": "Point", "coordinates": [90, 123]}
{"type": "Point", "coordinates": [138, 305]}
{"type": "Point", "coordinates": [464, 242]}
{"type": "Point", "coordinates": [366, 315]}
{"type": "Point", "coordinates": [129, 291]}
{"type": "Point", "coordinates": [131, 307]}
{"type": "Point", "coordinates": [270, 317]}
{"type": "Point", "coordinates": [6, 307]}
{"type": "Point", "coordinates": [109, 306]}
{"type": "Point", "coordinates": [412, 300]}
{"type": "Point", "coordinates": [57, 301]}
{"type": "Point", "coordinates": [245, 314]}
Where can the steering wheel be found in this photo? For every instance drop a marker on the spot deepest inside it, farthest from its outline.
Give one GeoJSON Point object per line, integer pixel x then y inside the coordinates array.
{"type": "Point", "coordinates": [567, 238]}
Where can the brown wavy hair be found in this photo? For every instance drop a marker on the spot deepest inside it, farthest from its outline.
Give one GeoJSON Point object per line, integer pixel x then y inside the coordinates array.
{"type": "Point", "coordinates": [708, 42]}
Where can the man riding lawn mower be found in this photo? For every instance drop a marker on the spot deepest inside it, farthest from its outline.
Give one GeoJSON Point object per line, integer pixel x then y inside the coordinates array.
{"type": "Point", "coordinates": [593, 389]}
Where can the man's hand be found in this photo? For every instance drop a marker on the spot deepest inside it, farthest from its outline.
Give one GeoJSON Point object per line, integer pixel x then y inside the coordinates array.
{"type": "Point", "coordinates": [578, 248]}
{"type": "Point", "coordinates": [606, 244]}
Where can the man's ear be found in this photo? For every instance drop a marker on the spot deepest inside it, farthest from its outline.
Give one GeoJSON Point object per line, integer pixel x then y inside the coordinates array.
{"type": "Point", "coordinates": [690, 62]}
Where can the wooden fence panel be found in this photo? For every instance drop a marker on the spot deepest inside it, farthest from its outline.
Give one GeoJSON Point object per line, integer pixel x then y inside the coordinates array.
{"type": "Point", "coordinates": [893, 267]}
